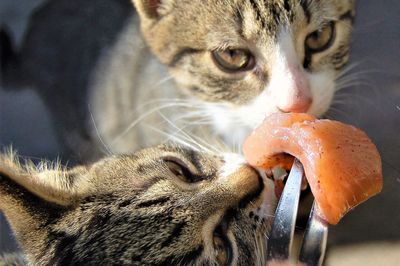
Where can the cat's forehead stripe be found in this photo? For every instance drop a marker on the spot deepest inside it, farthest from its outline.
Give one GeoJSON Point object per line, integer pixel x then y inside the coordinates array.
{"type": "Point", "coordinates": [305, 5]}
{"type": "Point", "coordinates": [286, 5]}
{"type": "Point", "coordinates": [257, 12]}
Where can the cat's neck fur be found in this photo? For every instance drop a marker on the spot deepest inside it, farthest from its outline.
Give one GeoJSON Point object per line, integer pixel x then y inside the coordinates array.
{"type": "Point", "coordinates": [129, 95]}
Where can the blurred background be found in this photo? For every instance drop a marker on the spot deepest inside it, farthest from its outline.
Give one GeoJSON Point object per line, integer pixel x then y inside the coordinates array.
{"type": "Point", "coordinates": [370, 100]}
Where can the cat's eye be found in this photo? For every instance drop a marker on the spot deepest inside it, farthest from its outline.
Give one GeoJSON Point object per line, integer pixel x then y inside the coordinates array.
{"type": "Point", "coordinates": [223, 252]}
{"type": "Point", "coordinates": [233, 60]}
{"type": "Point", "coordinates": [181, 171]}
{"type": "Point", "coordinates": [322, 39]}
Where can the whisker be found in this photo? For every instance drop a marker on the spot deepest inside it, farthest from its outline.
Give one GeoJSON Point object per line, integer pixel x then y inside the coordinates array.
{"type": "Point", "coordinates": [156, 102]}
{"type": "Point", "coordinates": [174, 138]}
{"type": "Point", "coordinates": [166, 100]}
{"type": "Point", "coordinates": [181, 135]}
{"type": "Point", "coordinates": [217, 150]}
{"type": "Point", "coordinates": [349, 68]}
{"type": "Point", "coordinates": [107, 149]}
{"type": "Point", "coordinates": [180, 130]}
{"type": "Point", "coordinates": [142, 117]}
{"type": "Point", "coordinates": [164, 80]}
{"type": "Point", "coordinates": [366, 27]}
{"type": "Point", "coordinates": [333, 112]}
{"type": "Point", "coordinates": [364, 99]}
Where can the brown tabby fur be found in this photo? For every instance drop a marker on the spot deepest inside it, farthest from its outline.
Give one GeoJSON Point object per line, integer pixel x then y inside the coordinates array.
{"type": "Point", "coordinates": [183, 33]}
{"type": "Point", "coordinates": [135, 210]}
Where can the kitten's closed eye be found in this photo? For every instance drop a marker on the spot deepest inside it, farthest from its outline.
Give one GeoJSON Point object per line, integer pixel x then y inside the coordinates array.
{"type": "Point", "coordinates": [181, 170]}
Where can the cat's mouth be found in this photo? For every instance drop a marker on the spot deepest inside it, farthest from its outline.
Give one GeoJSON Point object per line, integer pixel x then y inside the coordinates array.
{"type": "Point", "coordinates": [278, 176]}
{"type": "Point", "coordinates": [265, 204]}
{"type": "Point", "coordinates": [274, 183]}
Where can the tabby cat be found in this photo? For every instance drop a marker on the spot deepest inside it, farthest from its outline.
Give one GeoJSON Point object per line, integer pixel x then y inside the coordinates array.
{"type": "Point", "coordinates": [234, 62]}
{"type": "Point", "coordinates": [168, 205]}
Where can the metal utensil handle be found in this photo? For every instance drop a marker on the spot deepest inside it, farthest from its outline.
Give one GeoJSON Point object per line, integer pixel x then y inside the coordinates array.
{"type": "Point", "coordinates": [280, 239]}
{"type": "Point", "coordinates": [312, 251]}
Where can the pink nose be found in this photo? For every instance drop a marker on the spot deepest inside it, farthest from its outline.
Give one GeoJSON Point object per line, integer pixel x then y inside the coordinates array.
{"type": "Point", "coordinates": [299, 104]}
{"type": "Point", "coordinates": [293, 93]}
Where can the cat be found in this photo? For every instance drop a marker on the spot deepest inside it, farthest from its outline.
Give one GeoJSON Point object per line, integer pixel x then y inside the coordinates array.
{"type": "Point", "coordinates": [166, 205]}
{"type": "Point", "coordinates": [219, 67]}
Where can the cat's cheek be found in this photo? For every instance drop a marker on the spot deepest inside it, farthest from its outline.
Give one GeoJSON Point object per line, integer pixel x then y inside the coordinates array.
{"type": "Point", "coordinates": [323, 90]}
{"type": "Point", "coordinates": [254, 113]}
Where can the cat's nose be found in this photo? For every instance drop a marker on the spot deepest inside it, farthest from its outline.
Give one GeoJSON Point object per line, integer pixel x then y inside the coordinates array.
{"type": "Point", "coordinates": [296, 104]}
{"type": "Point", "coordinates": [294, 94]}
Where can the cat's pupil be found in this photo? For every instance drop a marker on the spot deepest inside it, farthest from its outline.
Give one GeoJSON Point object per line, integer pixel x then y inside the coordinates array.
{"type": "Point", "coordinates": [237, 57]}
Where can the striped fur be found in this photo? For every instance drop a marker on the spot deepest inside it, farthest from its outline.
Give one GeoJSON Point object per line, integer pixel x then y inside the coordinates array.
{"type": "Point", "coordinates": [138, 211]}
{"type": "Point", "coordinates": [185, 37]}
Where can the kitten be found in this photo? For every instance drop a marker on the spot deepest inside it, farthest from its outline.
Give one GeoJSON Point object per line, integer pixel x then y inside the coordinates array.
{"type": "Point", "coordinates": [222, 64]}
{"type": "Point", "coordinates": [168, 205]}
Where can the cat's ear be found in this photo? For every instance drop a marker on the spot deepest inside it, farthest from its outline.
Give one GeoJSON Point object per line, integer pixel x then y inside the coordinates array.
{"type": "Point", "coordinates": [152, 9]}
{"type": "Point", "coordinates": [33, 196]}
{"type": "Point", "coordinates": [45, 182]}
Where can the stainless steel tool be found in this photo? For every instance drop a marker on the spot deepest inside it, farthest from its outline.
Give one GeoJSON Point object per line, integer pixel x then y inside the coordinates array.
{"type": "Point", "coordinates": [280, 240]}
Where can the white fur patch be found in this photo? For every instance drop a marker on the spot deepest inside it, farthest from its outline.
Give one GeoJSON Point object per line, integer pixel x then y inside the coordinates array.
{"type": "Point", "coordinates": [232, 163]}
{"type": "Point", "coordinates": [323, 90]}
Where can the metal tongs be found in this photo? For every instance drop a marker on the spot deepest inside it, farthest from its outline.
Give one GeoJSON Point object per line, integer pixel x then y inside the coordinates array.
{"type": "Point", "coordinates": [313, 247]}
